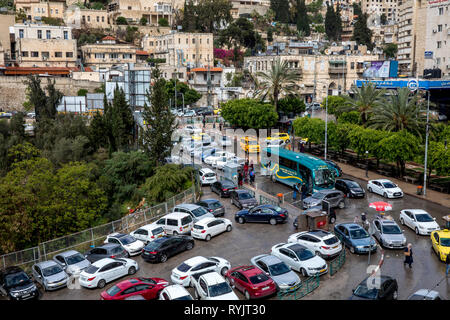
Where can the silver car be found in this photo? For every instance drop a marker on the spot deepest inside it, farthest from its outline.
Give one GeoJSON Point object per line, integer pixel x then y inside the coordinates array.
{"type": "Point", "coordinates": [335, 197]}
{"type": "Point", "coordinates": [72, 261]}
{"type": "Point", "coordinates": [286, 279]}
{"type": "Point", "coordinates": [388, 233]}
{"type": "Point", "coordinates": [50, 275]}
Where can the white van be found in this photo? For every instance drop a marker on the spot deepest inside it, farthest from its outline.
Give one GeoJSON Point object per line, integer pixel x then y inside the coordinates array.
{"type": "Point", "coordinates": [176, 223]}
{"type": "Point", "coordinates": [149, 232]}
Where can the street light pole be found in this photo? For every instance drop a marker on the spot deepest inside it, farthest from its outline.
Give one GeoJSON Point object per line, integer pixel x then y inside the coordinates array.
{"type": "Point", "coordinates": [426, 148]}
{"type": "Point", "coordinates": [326, 124]}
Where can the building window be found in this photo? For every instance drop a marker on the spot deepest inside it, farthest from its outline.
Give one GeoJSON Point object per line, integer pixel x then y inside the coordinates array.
{"type": "Point", "coordinates": [129, 8]}
{"type": "Point", "coordinates": [441, 11]}
{"type": "Point", "coordinates": [207, 41]}
{"type": "Point", "coordinates": [66, 35]}
{"type": "Point", "coordinates": [179, 40]}
{"type": "Point", "coordinates": [34, 54]}
{"type": "Point", "coordinates": [58, 54]}
{"type": "Point", "coordinates": [103, 19]}
{"type": "Point", "coordinates": [48, 34]}
{"type": "Point", "coordinates": [187, 41]}
{"type": "Point", "coordinates": [89, 18]}
{"type": "Point", "coordinates": [438, 61]}
{"type": "Point", "coordinates": [98, 19]}
{"type": "Point", "coordinates": [21, 33]}
{"type": "Point", "coordinates": [439, 44]}
{"type": "Point", "coordinates": [113, 55]}
{"type": "Point", "coordinates": [70, 55]}
{"type": "Point", "coordinates": [39, 34]}
{"type": "Point", "coordinates": [51, 11]}
{"type": "Point", "coordinates": [99, 55]}
{"type": "Point", "coordinates": [56, 11]}
{"type": "Point", "coordinates": [24, 53]}
{"type": "Point", "coordinates": [127, 56]}
{"type": "Point", "coordinates": [193, 40]}
{"type": "Point", "coordinates": [193, 56]}
{"type": "Point", "coordinates": [439, 27]}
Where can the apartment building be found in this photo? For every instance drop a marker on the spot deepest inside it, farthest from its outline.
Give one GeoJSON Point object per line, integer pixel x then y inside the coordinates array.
{"type": "Point", "coordinates": [320, 74]}
{"type": "Point", "coordinates": [107, 53]}
{"type": "Point", "coordinates": [94, 18]}
{"type": "Point", "coordinates": [375, 8]}
{"type": "Point", "coordinates": [134, 10]}
{"type": "Point", "coordinates": [6, 21]}
{"type": "Point", "coordinates": [35, 10]}
{"type": "Point", "coordinates": [246, 7]}
{"type": "Point", "coordinates": [38, 45]}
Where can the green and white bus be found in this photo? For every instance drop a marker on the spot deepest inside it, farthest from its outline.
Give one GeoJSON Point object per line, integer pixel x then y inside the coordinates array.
{"type": "Point", "coordinates": [292, 167]}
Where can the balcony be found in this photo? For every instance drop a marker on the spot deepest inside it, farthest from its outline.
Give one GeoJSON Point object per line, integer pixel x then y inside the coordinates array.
{"type": "Point", "coordinates": [337, 68]}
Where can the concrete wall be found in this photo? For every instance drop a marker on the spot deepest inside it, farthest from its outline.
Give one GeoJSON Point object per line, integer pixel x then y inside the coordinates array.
{"type": "Point", "coordinates": [12, 89]}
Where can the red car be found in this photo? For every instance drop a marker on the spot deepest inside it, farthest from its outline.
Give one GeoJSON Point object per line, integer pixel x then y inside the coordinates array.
{"type": "Point", "coordinates": [148, 288]}
{"type": "Point", "coordinates": [251, 281]}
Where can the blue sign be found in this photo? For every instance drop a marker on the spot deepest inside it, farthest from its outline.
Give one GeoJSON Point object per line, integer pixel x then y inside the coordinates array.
{"type": "Point", "coordinates": [395, 84]}
{"type": "Point", "coordinates": [413, 84]}
{"type": "Point", "coordinates": [428, 54]}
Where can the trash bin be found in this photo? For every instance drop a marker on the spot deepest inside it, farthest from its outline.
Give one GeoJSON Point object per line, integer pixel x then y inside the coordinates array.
{"type": "Point", "coordinates": [419, 190]}
{"type": "Point", "coordinates": [280, 198]}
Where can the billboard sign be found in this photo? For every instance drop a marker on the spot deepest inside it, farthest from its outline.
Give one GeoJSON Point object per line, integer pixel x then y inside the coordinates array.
{"type": "Point", "coordinates": [380, 69]}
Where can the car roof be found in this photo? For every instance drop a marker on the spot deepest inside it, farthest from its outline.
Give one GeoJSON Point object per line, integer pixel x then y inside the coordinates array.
{"type": "Point", "coordinates": [68, 253]}
{"type": "Point", "coordinates": [350, 225]}
{"type": "Point", "coordinates": [424, 293]}
{"type": "Point", "coordinates": [46, 264]}
{"type": "Point", "coordinates": [176, 215]}
{"type": "Point", "coordinates": [345, 180]}
{"type": "Point", "coordinates": [117, 235]}
{"type": "Point", "coordinates": [416, 211]}
{"type": "Point", "coordinates": [213, 278]}
{"type": "Point", "coordinates": [294, 246]}
{"type": "Point", "coordinates": [195, 260]}
{"type": "Point", "coordinates": [269, 259]}
{"type": "Point", "coordinates": [150, 226]}
{"type": "Point", "coordinates": [176, 290]}
{"type": "Point", "coordinates": [248, 270]}
{"type": "Point", "coordinates": [320, 233]}
{"type": "Point", "coordinates": [210, 200]}
{"type": "Point", "coordinates": [13, 269]}
{"type": "Point", "coordinates": [109, 245]}
{"type": "Point", "coordinates": [205, 221]}
{"type": "Point", "coordinates": [188, 206]}
{"type": "Point", "coordinates": [386, 221]}
{"type": "Point", "coordinates": [207, 170]}
{"type": "Point", "coordinates": [241, 191]}
{"type": "Point", "coordinates": [102, 262]}
{"type": "Point", "coordinates": [382, 180]}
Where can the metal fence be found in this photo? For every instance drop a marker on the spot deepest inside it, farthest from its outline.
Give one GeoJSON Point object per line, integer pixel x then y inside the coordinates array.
{"type": "Point", "coordinates": [307, 286]}
{"type": "Point", "coordinates": [337, 263]}
{"type": "Point", "coordinates": [83, 240]}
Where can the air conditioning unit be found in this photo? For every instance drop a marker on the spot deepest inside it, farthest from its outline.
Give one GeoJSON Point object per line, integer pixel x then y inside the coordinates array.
{"type": "Point", "coordinates": [434, 30]}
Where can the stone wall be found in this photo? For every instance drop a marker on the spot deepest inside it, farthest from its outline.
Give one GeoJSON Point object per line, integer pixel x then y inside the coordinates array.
{"type": "Point", "coordinates": [12, 89]}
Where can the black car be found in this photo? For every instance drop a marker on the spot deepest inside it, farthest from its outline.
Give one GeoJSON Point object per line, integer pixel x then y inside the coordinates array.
{"type": "Point", "coordinates": [165, 247]}
{"type": "Point", "coordinates": [17, 285]}
{"type": "Point", "coordinates": [108, 250]}
{"type": "Point", "coordinates": [386, 289]}
{"type": "Point", "coordinates": [223, 188]}
{"type": "Point", "coordinates": [264, 213]}
{"type": "Point", "coordinates": [335, 166]}
{"type": "Point", "coordinates": [214, 206]}
{"type": "Point", "coordinates": [205, 111]}
{"type": "Point", "coordinates": [350, 188]}
{"type": "Point", "coordinates": [243, 199]}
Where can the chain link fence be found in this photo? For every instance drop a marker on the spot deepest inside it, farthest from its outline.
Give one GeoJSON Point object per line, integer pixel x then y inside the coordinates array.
{"type": "Point", "coordinates": [84, 240]}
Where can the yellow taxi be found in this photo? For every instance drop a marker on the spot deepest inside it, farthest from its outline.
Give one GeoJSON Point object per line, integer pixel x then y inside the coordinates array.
{"type": "Point", "coordinates": [217, 111]}
{"type": "Point", "coordinates": [440, 240]}
{"type": "Point", "coordinates": [250, 144]}
{"type": "Point", "coordinates": [279, 136]}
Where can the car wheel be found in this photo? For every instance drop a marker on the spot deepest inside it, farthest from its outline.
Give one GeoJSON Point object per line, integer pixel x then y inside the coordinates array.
{"type": "Point", "coordinates": [370, 189]}
{"type": "Point", "coordinates": [223, 271]}
{"type": "Point", "coordinates": [352, 249]}
{"type": "Point", "coordinates": [132, 270]}
{"type": "Point", "coordinates": [319, 254]}
{"type": "Point", "coordinates": [241, 220]}
{"type": "Point", "coordinates": [417, 231]}
{"type": "Point", "coordinates": [208, 237]}
{"type": "Point", "coordinates": [229, 228]}
{"type": "Point", "coordinates": [175, 233]}
{"type": "Point", "coordinates": [385, 195]}
{"type": "Point", "coordinates": [341, 205]}
{"type": "Point", "coordinates": [163, 258]}
{"type": "Point", "coordinates": [395, 295]}
{"type": "Point", "coordinates": [402, 221]}
{"type": "Point", "coordinates": [303, 272]}
{"type": "Point", "coordinates": [189, 246]}
{"type": "Point", "coordinates": [101, 284]}
{"type": "Point", "coordinates": [273, 221]}
{"type": "Point", "coordinates": [247, 295]}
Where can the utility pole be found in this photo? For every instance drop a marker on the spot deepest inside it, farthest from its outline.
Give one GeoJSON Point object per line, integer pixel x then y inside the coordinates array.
{"type": "Point", "coordinates": [426, 147]}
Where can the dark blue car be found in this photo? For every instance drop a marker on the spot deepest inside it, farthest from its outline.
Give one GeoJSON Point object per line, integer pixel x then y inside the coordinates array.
{"type": "Point", "coordinates": [267, 213]}
{"type": "Point", "coordinates": [354, 237]}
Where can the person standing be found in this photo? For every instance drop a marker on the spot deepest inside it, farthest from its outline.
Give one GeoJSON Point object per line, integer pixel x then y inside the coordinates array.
{"type": "Point", "coordinates": [304, 190]}
{"type": "Point", "coordinates": [240, 178]}
{"type": "Point", "coordinates": [204, 121]}
{"type": "Point", "coordinates": [302, 147]}
{"type": "Point", "coordinates": [252, 176]}
{"type": "Point", "coordinates": [294, 193]}
{"type": "Point", "coordinates": [408, 255]}
{"type": "Point", "coordinates": [447, 262]}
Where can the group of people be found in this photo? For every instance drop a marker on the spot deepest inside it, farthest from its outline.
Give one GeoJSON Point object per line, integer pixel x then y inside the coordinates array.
{"type": "Point", "coordinates": [247, 174]}
{"type": "Point", "coordinates": [299, 187]}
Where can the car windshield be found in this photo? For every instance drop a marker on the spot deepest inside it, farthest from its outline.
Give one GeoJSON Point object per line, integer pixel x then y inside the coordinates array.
{"type": "Point", "coordinates": [157, 231]}
{"type": "Point", "coordinates": [196, 226]}
{"type": "Point", "coordinates": [210, 174]}
{"type": "Point", "coordinates": [391, 229]}
{"type": "Point", "coordinates": [359, 234]}
{"type": "Point", "coordinates": [113, 291]}
{"type": "Point", "coordinates": [252, 142]}
{"type": "Point", "coordinates": [152, 246]}
{"type": "Point", "coordinates": [183, 267]}
{"type": "Point", "coordinates": [258, 278]}
{"type": "Point", "coordinates": [323, 178]}
{"type": "Point", "coordinates": [278, 209]}
{"type": "Point", "coordinates": [91, 269]}
{"type": "Point", "coordinates": [424, 217]}
{"type": "Point", "coordinates": [278, 269]}
{"type": "Point", "coordinates": [74, 259]}
{"type": "Point", "coordinates": [199, 211]}
{"type": "Point", "coordinates": [353, 185]}
{"type": "Point", "coordinates": [17, 279]}
{"type": "Point", "coordinates": [318, 195]}
{"type": "Point", "coordinates": [47, 272]}
{"type": "Point", "coordinates": [214, 205]}
{"type": "Point", "coordinates": [304, 254]}
{"type": "Point", "coordinates": [364, 292]}
{"type": "Point", "coordinates": [184, 298]}
{"type": "Point", "coordinates": [127, 240]}
{"type": "Point", "coordinates": [331, 241]}
{"type": "Point", "coordinates": [245, 196]}
{"type": "Point", "coordinates": [445, 242]}
{"type": "Point", "coordinates": [219, 289]}
{"type": "Point", "coordinates": [389, 185]}
{"type": "Point", "coordinates": [227, 185]}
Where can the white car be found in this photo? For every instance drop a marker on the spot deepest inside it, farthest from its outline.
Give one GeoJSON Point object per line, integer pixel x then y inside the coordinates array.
{"type": "Point", "coordinates": [385, 187]}
{"type": "Point", "coordinates": [106, 270]}
{"type": "Point", "coordinates": [222, 162]}
{"type": "Point", "coordinates": [189, 113]}
{"type": "Point", "coordinates": [182, 274]}
{"type": "Point", "coordinates": [419, 220]}
{"type": "Point", "coordinates": [224, 141]}
{"type": "Point", "coordinates": [275, 143]}
{"type": "Point", "coordinates": [300, 259]}
{"type": "Point", "coordinates": [207, 176]}
{"type": "Point", "coordinates": [148, 233]}
{"type": "Point", "coordinates": [175, 292]}
{"type": "Point", "coordinates": [207, 228]}
{"type": "Point", "coordinates": [218, 155]}
{"type": "Point", "coordinates": [212, 286]}
{"type": "Point", "coordinates": [190, 129]}
{"type": "Point", "coordinates": [325, 244]}
{"type": "Point", "coordinates": [132, 245]}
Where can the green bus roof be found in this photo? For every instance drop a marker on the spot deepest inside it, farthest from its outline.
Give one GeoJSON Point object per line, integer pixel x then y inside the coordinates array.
{"type": "Point", "coordinates": [304, 159]}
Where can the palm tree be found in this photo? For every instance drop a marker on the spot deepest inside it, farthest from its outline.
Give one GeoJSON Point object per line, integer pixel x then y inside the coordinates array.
{"type": "Point", "coordinates": [364, 101]}
{"type": "Point", "coordinates": [281, 79]}
{"type": "Point", "coordinates": [403, 111]}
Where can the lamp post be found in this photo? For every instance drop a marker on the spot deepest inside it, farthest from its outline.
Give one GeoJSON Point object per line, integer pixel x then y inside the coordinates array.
{"type": "Point", "coordinates": [182, 95]}
{"type": "Point", "coordinates": [426, 148]}
{"type": "Point", "coordinates": [326, 122]}
{"type": "Point", "coordinates": [367, 164]}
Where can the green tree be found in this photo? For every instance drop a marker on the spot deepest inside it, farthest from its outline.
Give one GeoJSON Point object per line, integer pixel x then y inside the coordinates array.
{"type": "Point", "coordinates": [121, 21]}
{"type": "Point", "coordinates": [291, 104]}
{"type": "Point", "coordinates": [211, 15]}
{"type": "Point", "coordinates": [82, 92]}
{"type": "Point", "coordinates": [16, 124]}
{"type": "Point", "coordinates": [361, 33]}
{"type": "Point", "coordinates": [390, 50]}
{"type": "Point", "coordinates": [240, 32]}
{"type": "Point", "coordinates": [189, 22]}
{"type": "Point", "coordinates": [302, 18]}
{"type": "Point", "coordinates": [281, 10]}
{"type": "Point", "coordinates": [365, 100]}
{"type": "Point", "coordinates": [120, 121]}
{"type": "Point", "coordinates": [249, 113]}
{"type": "Point", "coordinates": [336, 105]}
{"type": "Point", "coordinates": [143, 21]}
{"type": "Point", "coordinates": [163, 22]}
{"type": "Point", "coordinates": [438, 158]}
{"type": "Point", "coordinates": [191, 96]}
{"type": "Point", "coordinates": [350, 117]}
{"type": "Point", "coordinates": [270, 35]}
{"type": "Point", "coordinates": [333, 27]}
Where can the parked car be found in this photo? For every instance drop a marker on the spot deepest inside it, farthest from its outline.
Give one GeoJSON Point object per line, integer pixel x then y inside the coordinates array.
{"type": "Point", "coordinates": [272, 266]}
{"type": "Point", "coordinates": [279, 136]}
{"type": "Point", "coordinates": [211, 160]}
{"type": "Point", "coordinates": [440, 241]}
{"type": "Point", "coordinates": [71, 261]}
{"type": "Point", "coordinates": [108, 250]}
{"type": "Point", "coordinates": [224, 141]}
{"type": "Point", "coordinates": [251, 281]}
{"type": "Point", "coordinates": [223, 188]}
{"type": "Point", "coordinates": [205, 111]}
{"type": "Point", "coordinates": [350, 188]}
{"type": "Point", "coordinates": [207, 176]}
{"type": "Point", "coordinates": [148, 288]}
{"type": "Point", "coordinates": [106, 270]}
{"type": "Point", "coordinates": [210, 285]}
{"type": "Point", "coordinates": [197, 212]}
{"type": "Point", "coordinates": [207, 228]}
{"type": "Point", "coordinates": [189, 113]}
{"type": "Point", "coordinates": [388, 234]}
{"type": "Point", "coordinates": [268, 213]}
{"type": "Point", "coordinates": [163, 248]}
{"type": "Point", "coordinates": [182, 274]}
{"type": "Point", "coordinates": [335, 197]}
{"type": "Point", "coordinates": [176, 223]}
{"type": "Point", "coordinates": [204, 152]}
{"type": "Point", "coordinates": [175, 292]}
{"type": "Point", "coordinates": [385, 187]}
{"type": "Point", "coordinates": [425, 294]}
{"type": "Point", "coordinates": [243, 199]}
{"type": "Point", "coordinates": [234, 160]}
{"type": "Point", "coordinates": [333, 165]}
{"type": "Point", "coordinates": [300, 259]}
{"type": "Point", "coordinates": [148, 233]}
{"type": "Point", "coordinates": [132, 245]}
{"type": "Point", "coordinates": [354, 236]}
{"type": "Point", "coordinates": [17, 285]}
{"type": "Point", "coordinates": [387, 289]}
{"type": "Point", "coordinates": [325, 244]}
{"type": "Point", "coordinates": [191, 129]}
{"type": "Point", "coordinates": [213, 206]}
{"type": "Point", "coordinates": [275, 143]}
{"type": "Point", "coordinates": [419, 220]}
{"type": "Point", "coordinates": [31, 115]}
{"type": "Point", "coordinates": [49, 275]}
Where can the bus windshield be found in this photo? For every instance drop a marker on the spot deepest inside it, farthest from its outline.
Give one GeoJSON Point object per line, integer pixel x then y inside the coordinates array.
{"type": "Point", "coordinates": [323, 178]}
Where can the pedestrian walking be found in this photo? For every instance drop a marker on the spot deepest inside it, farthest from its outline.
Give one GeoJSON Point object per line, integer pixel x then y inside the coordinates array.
{"type": "Point", "coordinates": [252, 176]}
{"type": "Point", "coordinates": [294, 193]}
{"type": "Point", "coordinates": [204, 121]}
{"type": "Point", "coordinates": [220, 125]}
{"type": "Point", "coordinates": [447, 262]}
{"type": "Point", "coordinates": [240, 177]}
{"type": "Point", "coordinates": [408, 255]}
{"type": "Point", "coordinates": [364, 221]}
{"type": "Point", "coordinates": [302, 147]}
{"type": "Point", "coordinates": [246, 168]}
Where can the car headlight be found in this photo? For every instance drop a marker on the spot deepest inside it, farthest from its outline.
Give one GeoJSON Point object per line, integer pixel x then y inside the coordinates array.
{"type": "Point", "coordinates": [421, 227]}
{"type": "Point", "coordinates": [15, 294]}
{"type": "Point", "coordinates": [359, 247]}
